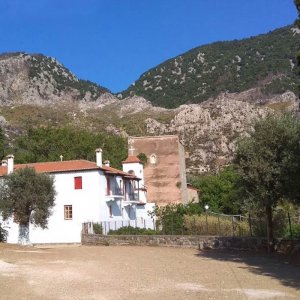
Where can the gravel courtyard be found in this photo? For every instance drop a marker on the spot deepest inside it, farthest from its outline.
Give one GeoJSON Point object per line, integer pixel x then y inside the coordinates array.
{"type": "Point", "coordinates": [82, 272]}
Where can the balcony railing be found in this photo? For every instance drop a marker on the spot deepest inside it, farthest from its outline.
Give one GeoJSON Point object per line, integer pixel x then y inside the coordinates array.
{"type": "Point", "coordinates": [114, 192]}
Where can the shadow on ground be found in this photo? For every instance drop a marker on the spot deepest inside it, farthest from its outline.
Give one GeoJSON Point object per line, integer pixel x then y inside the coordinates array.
{"type": "Point", "coordinates": [261, 264]}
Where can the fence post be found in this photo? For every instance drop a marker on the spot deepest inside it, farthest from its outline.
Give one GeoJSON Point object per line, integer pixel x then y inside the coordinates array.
{"type": "Point", "coordinates": [144, 224]}
{"type": "Point", "coordinates": [250, 225]}
{"type": "Point", "coordinates": [290, 225]}
{"type": "Point", "coordinates": [232, 226]}
{"type": "Point", "coordinates": [206, 223]}
{"type": "Point", "coordinates": [219, 225]}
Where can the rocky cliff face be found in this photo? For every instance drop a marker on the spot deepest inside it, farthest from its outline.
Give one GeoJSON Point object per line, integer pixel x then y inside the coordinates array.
{"type": "Point", "coordinates": [38, 79]}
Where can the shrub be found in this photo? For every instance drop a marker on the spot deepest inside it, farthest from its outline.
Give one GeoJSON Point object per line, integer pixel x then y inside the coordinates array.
{"type": "Point", "coordinates": [97, 228]}
{"type": "Point", "coordinates": [143, 158]}
{"type": "Point", "coordinates": [129, 230]}
{"type": "Point", "coordinates": [170, 218]}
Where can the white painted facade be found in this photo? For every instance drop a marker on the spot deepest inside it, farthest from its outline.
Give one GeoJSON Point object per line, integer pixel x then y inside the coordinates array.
{"type": "Point", "coordinates": [104, 196]}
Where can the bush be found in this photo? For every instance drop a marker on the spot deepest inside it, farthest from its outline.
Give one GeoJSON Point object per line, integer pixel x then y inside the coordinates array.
{"type": "Point", "coordinates": [170, 218]}
{"type": "Point", "coordinates": [97, 228]}
{"type": "Point", "coordinates": [213, 225]}
{"type": "Point", "coordinates": [129, 230]}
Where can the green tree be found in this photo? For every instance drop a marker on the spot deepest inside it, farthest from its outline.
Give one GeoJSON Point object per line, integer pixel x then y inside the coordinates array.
{"type": "Point", "coordinates": [27, 197]}
{"type": "Point", "coordinates": [1, 144]}
{"type": "Point", "coordinates": [268, 164]}
{"type": "Point", "coordinates": [47, 144]}
{"type": "Point", "coordinates": [219, 191]}
{"type": "Point", "coordinates": [143, 158]}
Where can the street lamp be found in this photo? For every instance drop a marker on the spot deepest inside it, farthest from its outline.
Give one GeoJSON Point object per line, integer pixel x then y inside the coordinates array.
{"type": "Point", "coordinates": [206, 209]}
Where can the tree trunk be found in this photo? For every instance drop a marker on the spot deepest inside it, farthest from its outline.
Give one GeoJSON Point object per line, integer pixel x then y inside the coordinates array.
{"type": "Point", "coordinates": [24, 234]}
{"type": "Point", "coordinates": [270, 235]}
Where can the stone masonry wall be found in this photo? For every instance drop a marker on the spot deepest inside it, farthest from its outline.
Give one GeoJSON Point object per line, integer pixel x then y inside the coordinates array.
{"type": "Point", "coordinates": [198, 242]}
{"type": "Point", "coordinates": [285, 247]}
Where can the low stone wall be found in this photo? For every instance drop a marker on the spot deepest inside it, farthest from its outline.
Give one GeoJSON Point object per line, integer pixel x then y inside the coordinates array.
{"type": "Point", "coordinates": [186, 241]}
{"type": "Point", "coordinates": [288, 248]}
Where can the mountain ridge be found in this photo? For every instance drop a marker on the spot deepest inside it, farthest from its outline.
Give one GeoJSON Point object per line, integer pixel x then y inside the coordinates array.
{"type": "Point", "coordinates": [36, 90]}
{"type": "Point", "coordinates": [203, 72]}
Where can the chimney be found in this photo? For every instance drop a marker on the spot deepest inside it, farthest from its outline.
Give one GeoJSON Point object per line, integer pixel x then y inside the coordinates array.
{"type": "Point", "coordinates": [4, 163]}
{"type": "Point", "coordinates": [10, 163]}
{"type": "Point", "coordinates": [106, 163]}
{"type": "Point", "coordinates": [99, 157]}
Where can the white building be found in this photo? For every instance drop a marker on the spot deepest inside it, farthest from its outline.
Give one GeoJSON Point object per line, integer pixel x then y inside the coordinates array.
{"type": "Point", "coordinates": [87, 192]}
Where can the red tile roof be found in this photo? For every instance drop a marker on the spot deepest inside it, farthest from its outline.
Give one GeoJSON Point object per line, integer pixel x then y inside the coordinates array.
{"type": "Point", "coordinates": [132, 159]}
{"type": "Point", "coordinates": [65, 166]}
{"type": "Point", "coordinates": [190, 186]}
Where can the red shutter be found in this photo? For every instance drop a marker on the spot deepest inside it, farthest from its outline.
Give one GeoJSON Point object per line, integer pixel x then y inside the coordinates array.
{"type": "Point", "coordinates": [78, 183]}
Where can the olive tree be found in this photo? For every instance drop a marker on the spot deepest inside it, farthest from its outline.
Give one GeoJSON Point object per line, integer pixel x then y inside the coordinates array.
{"type": "Point", "coordinates": [27, 197]}
{"type": "Point", "coordinates": [268, 162]}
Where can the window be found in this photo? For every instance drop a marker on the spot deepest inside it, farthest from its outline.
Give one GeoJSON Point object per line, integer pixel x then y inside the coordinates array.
{"type": "Point", "coordinates": [78, 183]}
{"type": "Point", "coordinates": [68, 212]}
{"type": "Point", "coordinates": [153, 159]}
{"type": "Point", "coordinates": [110, 211]}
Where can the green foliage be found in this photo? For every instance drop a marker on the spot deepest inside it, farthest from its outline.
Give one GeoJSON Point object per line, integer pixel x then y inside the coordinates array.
{"type": "Point", "coordinates": [268, 164]}
{"type": "Point", "coordinates": [129, 230]}
{"type": "Point", "coordinates": [97, 228]}
{"type": "Point", "coordinates": [295, 231]}
{"type": "Point", "coordinates": [1, 144]}
{"type": "Point", "coordinates": [170, 218]}
{"type": "Point", "coordinates": [143, 158]}
{"type": "Point", "coordinates": [297, 23]}
{"type": "Point", "coordinates": [47, 144]}
{"type": "Point", "coordinates": [27, 197]}
{"type": "Point", "coordinates": [234, 66]}
{"type": "Point", "coordinates": [219, 191]}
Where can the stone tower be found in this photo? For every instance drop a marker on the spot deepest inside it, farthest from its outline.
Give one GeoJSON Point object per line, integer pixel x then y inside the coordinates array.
{"type": "Point", "coordinates": [164, 172]}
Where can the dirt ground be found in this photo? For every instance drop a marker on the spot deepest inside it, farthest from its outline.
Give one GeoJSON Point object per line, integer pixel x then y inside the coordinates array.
{"type": "Point", "coordinates": [82, 272]}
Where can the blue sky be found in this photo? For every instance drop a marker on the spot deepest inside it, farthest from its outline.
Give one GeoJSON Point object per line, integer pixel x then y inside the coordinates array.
{"type": "Point", "coordinates": [112, 42]}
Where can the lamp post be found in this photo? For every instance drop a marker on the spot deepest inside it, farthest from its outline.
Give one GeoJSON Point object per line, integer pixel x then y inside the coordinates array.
{"type": "Point", "coordinates": [206, 209]}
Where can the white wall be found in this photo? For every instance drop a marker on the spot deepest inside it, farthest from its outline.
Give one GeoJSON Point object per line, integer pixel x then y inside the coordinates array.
{"type": "Point", "coordinates": [87, 205]}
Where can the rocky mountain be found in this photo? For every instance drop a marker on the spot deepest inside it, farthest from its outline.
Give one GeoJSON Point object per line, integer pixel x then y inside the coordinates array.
{"type": "Point", "coordinates": [38, 79]}
{"type": "Point", "coordinates": [36, 90]}
{"type": "Point", "coordinates": [265, 62]}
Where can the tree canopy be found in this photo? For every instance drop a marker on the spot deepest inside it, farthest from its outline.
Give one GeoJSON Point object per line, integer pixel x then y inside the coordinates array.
{"type": "Point", "coordinates": [27, 197]}
{"type": "Point", "coordinates": [219, 191]}
{"type": "Point", "coordinates": [1, 143]}
{"type": "Point", "coordinates": [268, 163]}
{"type": "Point", "coordinates": [48, 143]}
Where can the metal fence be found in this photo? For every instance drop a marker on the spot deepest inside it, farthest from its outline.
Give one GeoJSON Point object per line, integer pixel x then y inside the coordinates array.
{"type": "Point", "coordinates": [206, 224]}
